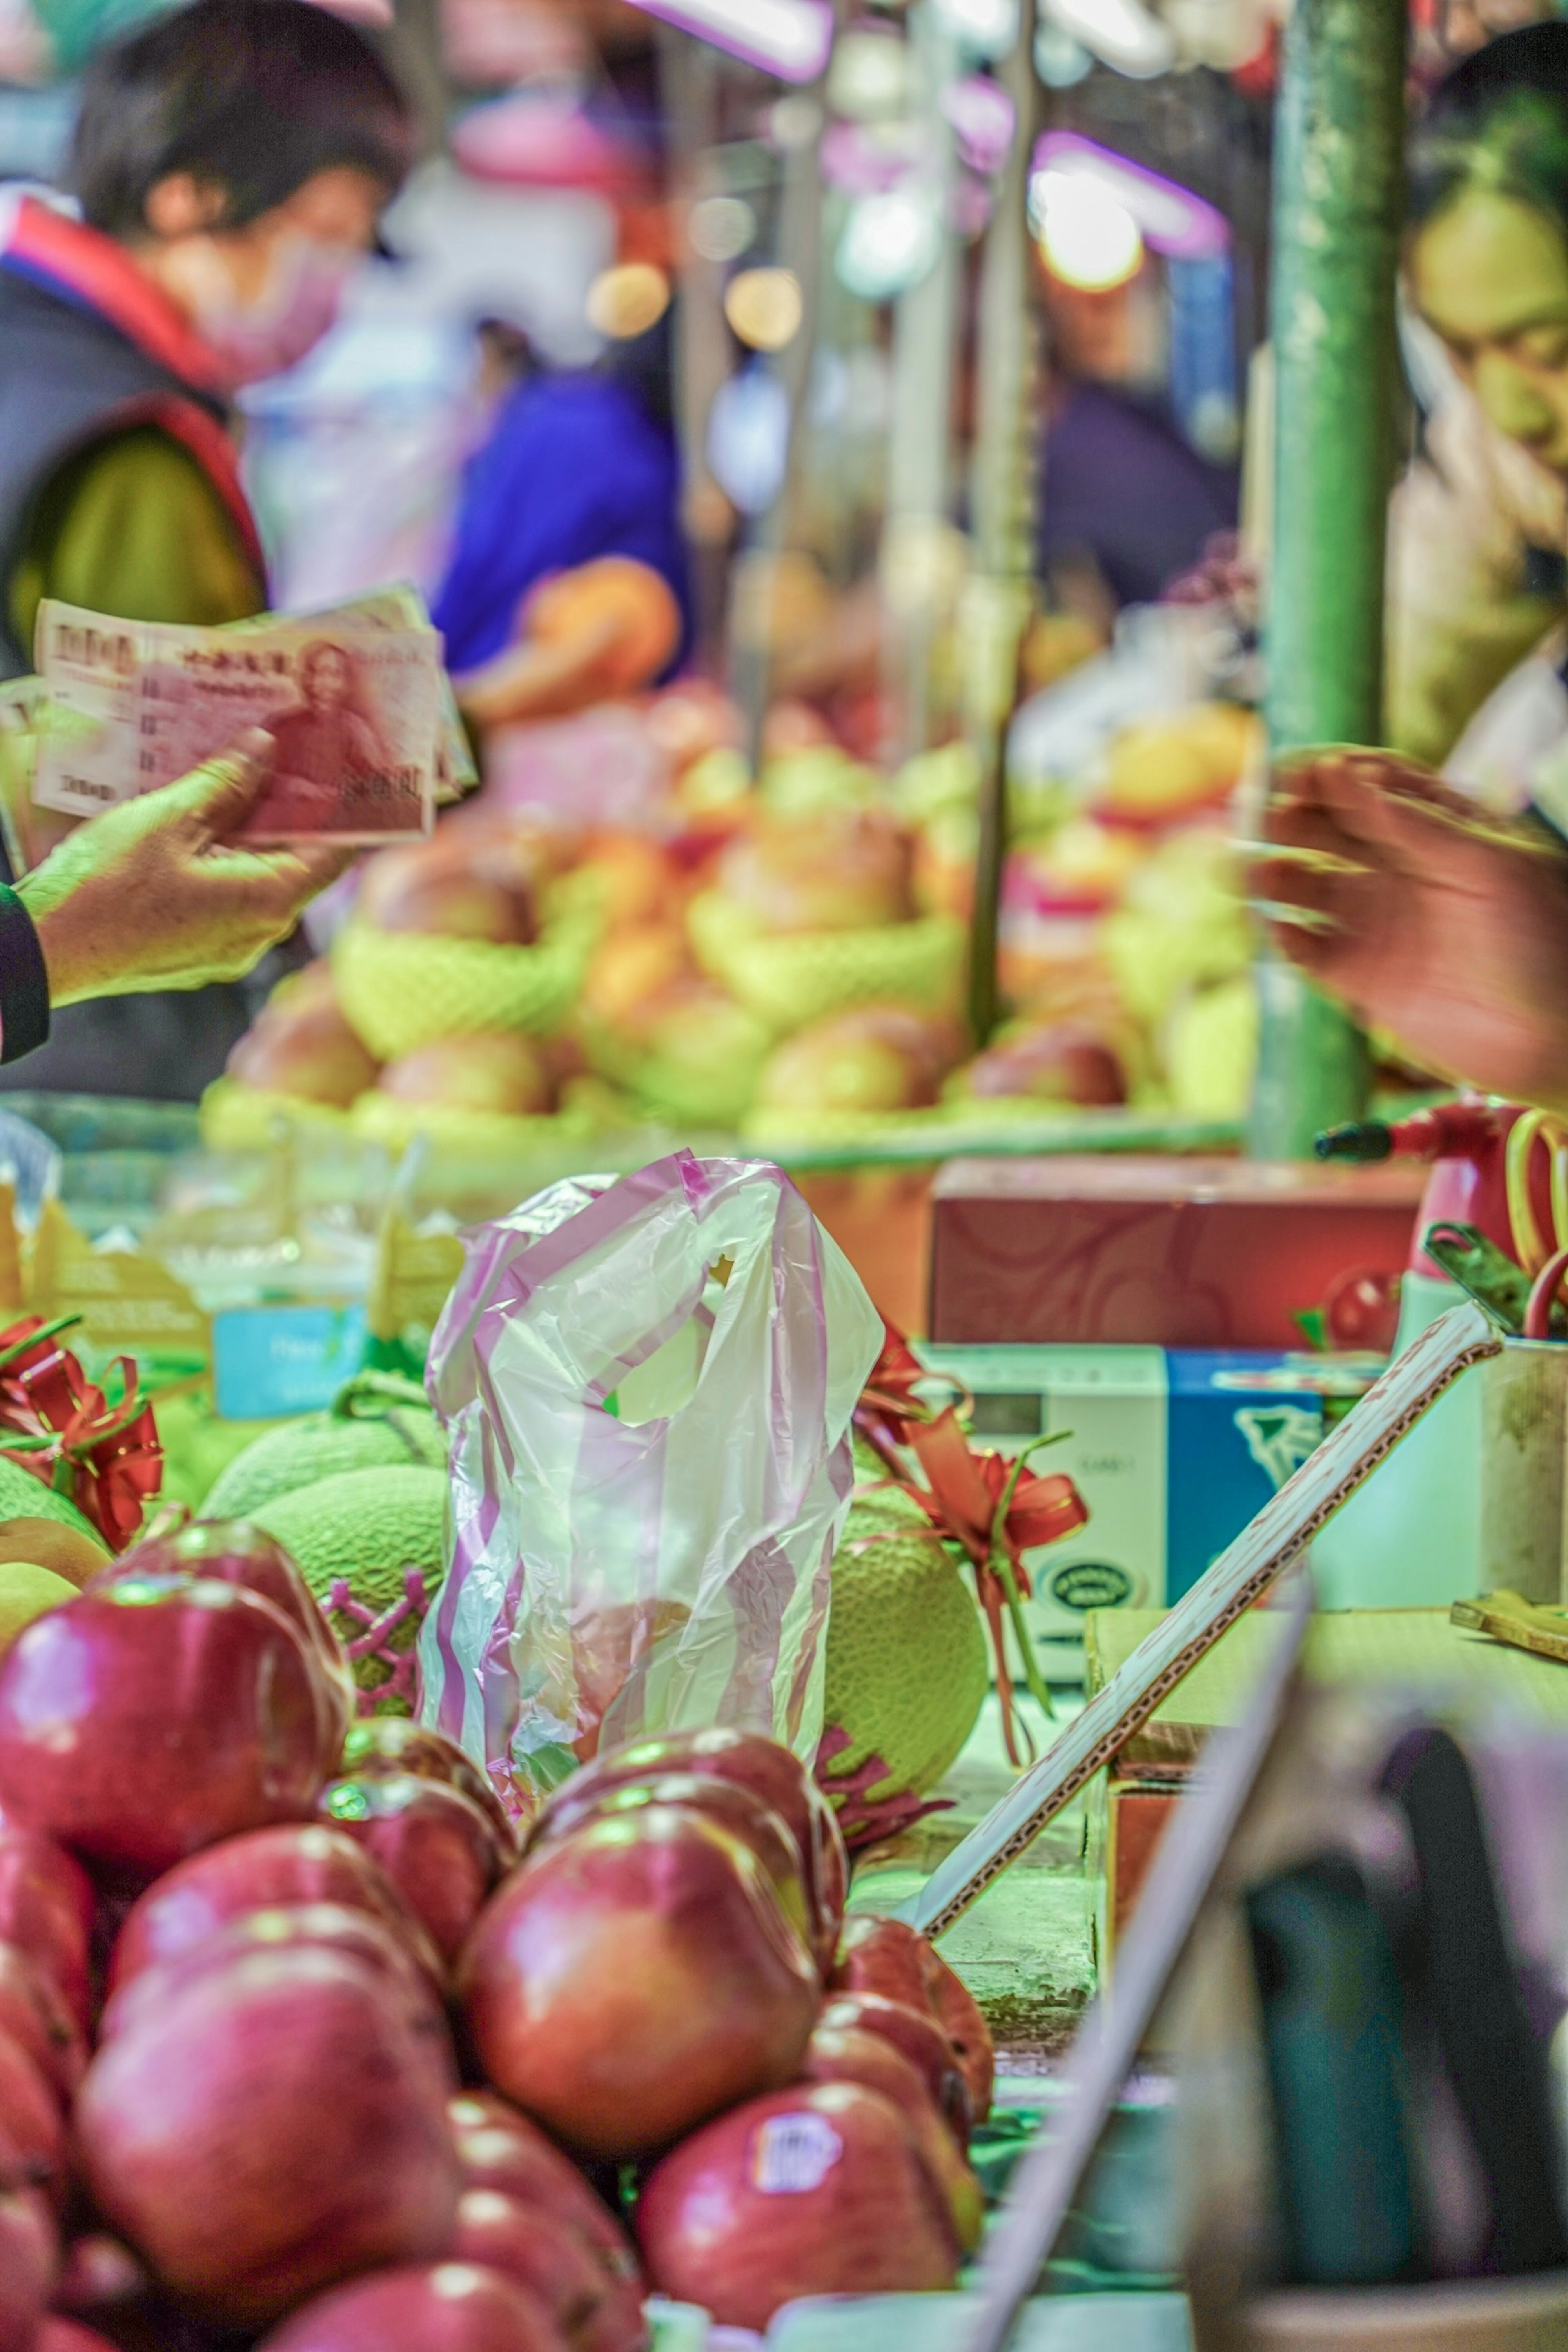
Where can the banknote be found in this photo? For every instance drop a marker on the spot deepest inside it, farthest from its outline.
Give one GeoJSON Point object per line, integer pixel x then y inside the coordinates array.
{"type": "Point", "coordinates": [353, 700]}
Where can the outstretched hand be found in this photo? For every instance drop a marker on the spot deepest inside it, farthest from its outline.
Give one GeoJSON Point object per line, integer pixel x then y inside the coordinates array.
{"type": "Point", "coordinates": [1424, 915]}
{"type": "Point", "coordinates": [159, 893]}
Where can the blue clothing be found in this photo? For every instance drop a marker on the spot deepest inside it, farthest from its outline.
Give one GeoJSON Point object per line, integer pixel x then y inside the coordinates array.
{"type": "Point", "coordinates": [1122, 485]}
{"type": "Point", "coordinates": [575, 468]}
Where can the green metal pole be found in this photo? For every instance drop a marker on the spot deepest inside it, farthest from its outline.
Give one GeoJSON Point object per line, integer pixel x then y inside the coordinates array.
{"type": "Point", "coordinates": [1339, 170]}
{"type": "Point", "coordinates": [1000, 597]}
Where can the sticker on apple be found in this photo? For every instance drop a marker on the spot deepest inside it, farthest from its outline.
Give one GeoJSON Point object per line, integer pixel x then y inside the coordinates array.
{"type": "Point", "coordinates": [794, 2154]}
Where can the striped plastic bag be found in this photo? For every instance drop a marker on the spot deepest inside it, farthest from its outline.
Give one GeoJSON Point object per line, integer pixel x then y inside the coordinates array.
{"type": "Point", "coordinates": [647, 1385]}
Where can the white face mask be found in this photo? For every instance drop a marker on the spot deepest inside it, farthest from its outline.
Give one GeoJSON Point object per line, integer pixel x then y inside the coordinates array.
{"type": "Point", "coordinates": [274, 331]}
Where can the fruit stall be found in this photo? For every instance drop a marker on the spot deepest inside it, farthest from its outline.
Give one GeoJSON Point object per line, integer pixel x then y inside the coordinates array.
{"type": "Point", "coordinates": [633, 1563]}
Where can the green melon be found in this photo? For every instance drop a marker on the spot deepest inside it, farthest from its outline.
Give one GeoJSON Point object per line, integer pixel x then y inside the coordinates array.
{"type": "Point", "coordinates": [368, 1529]}
{"type": "Point", "coordinates": [198, 1447]}
{"type": "Point", "coordinates": [377, 1422]}
{"type": "Point", "coordinates": [22, 1497]}
{"type": "Point", "coordinates": [907, 1662]}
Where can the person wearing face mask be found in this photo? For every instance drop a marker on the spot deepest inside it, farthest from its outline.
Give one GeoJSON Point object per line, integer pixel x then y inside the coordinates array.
{"type": "Point", "coordinates": [231, 162]}
{"type": "Point", "coordinates": [1430, 917]}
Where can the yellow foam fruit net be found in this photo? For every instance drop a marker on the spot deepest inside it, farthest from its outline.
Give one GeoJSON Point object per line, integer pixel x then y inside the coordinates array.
{"type": "Point", "coordinates": [712, 1094]}
{"type": "Point", "coordinates": [482, 1134]}
{"type": "Point", "coordinates": [402, 990]}
{"type": "Point", "coordinates": [790, 977]}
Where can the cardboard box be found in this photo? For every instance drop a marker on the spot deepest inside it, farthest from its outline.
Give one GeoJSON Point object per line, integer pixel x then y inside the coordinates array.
{"type": "Point", "coordinates": [1173, 1452]}
{"type": "Point", "coordinates": [1162, 1253]}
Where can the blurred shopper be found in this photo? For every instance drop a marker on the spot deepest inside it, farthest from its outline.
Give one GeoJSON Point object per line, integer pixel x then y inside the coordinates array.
{"type": "Point", "coordinates": [231, 162]}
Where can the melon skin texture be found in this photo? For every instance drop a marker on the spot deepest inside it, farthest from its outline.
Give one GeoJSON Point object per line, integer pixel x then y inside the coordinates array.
{"type": "Point", "coordinates": [367, 1528]}
{"type": "Point", "coordinates": [907, 1662]}
{"type": "Point", "coordinates": [22, 1497]}
{"type": "Point", "coordinates": [326, 1445]}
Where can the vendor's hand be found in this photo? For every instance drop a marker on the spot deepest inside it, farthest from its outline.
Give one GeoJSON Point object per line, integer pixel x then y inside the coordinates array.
{"type": "Point", "coordinates": [1426, 916]}
{"type": "Point", "coordinates": [157, 893]}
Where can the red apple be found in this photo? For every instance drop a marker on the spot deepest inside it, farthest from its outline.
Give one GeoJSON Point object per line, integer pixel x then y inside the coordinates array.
{"type": "Point", "coordinates": [435, 1844]}
{"type": "Point", "coordinates": [843, 871]}
{"type": "Point", "coordinates": [472, 881]}
{"type": "Point", "coordinates": [817, 2191]}
{"type": "Point", "coordinates": [379, 1746]}
{"type": "Point", "coordinates": [771, 1771]}
{"type": "Point", "coordinates": [99, 2274]}
{"type": "Point", "coordinates": [1062, 1062]}
{"type": "Point", "coordinates": [154, 1715]}
{"type": "Point", "coordinates": [499, 2148]}
{"type": "Point", "coordinates": [232, 1552]}
{"type": "Point", "coordinates": [887, 1957]}
{"type": "Point", "coordinates": [289, 1866]}
{"type": "Point", "coordinates": [634, 1978]}
{"type": "Point", "coordinates": [503, 1072]}
{"type": "Point", "coordinates": [58, 2335]}
{"type": "Point", "coordinates": [29, 2254]}
{"type": "Point", "coordinates": [353, 1936]}
{"type": "Point", "coordinates": [303, 1047]}
{"type": "Point", "coordinates": [30, 2117]}
{"type": "Point", "coordinates": [275, 2127]}
{"type": "Point", "coordinates": [917, 2036]}
{"type": "Point", "coordinates": [848, 2053]}
{"type": "Point", "coordinates": [594, 2311]}
{"type": "Point", "coordinates": [47, 1909]}
{"type": "Point", "coordinates": [736, 1809]}
{"type": "Point", "coordinates": [453, 2307]}
{"type": "Point", "coordinates": [35, 2013]}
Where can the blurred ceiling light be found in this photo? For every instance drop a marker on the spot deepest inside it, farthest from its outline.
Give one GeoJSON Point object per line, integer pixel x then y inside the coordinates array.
{"type": "Point", "coordinates": [791, 38]}
{"type": "Point", "coordinates": [869, 77]}
{"type": "Point", "coordinates": [1089, 239]}
{"type": "Point", "coordinates": [625, 302]}
{"type": "Point", "coordinates": [891, 241]}
{"type": "Point", "coordinates": [1169, 217]}
{"type": "Point", "coordinates": [987, 28]}
{"type": "Point", "coordinates": [722, 228]}
{"type": "Point", "coordinates": [983, 118]}
{"type": "Point", "coordinates": [764, 308]}
{"type": "Point", "coordinates": [1120, 33]}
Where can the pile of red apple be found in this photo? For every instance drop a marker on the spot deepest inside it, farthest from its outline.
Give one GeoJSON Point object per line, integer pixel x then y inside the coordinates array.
{"type": "Point", "coordinates": [297, 2050]}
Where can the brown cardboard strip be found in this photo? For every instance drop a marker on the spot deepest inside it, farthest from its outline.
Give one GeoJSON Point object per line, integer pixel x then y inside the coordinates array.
{"type": "Point", "coordinates": [1260, 1555]}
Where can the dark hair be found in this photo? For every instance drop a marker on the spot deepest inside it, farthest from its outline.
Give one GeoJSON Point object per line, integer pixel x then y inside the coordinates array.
{"type": "Point", "coordinates": [255, 97]}
{"type": "Point", "coordinates": [1499, 120]}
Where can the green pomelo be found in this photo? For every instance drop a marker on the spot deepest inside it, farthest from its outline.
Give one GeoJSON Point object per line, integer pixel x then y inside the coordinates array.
{"type": "Point", "coordinates": [22, 1497]}
{"type": "Point", "coordinates": [368, 1529]}
{"type": "Point", "coordinates": [379, 1421]}
{"type": "Point", "coordinates": [907, 1664]}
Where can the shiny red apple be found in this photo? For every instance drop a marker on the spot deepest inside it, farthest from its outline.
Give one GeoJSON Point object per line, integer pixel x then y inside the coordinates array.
{"type": "Point", "coordinates": [848, 2053]}
{"type": "Point", "coordinates": [35, 2013]}
{"type": "Point", "coordinates": [771, 1771]}
{"type": "Point", "coordinates": [154, 1715]}
{"type": "Point", "coordinates": [29, 2254]}
{"type": "Point", "coordinates": [57, 2335]}
{"type": "Point", "coordinates": [883, 1956]}
{"type": "Point", "coordinates": [31, 2118]}
{"type": "Point", "coordinates": [450, 2307]}
{"type": "Point", "coordinates": [47, 1910]}
{"type": "Point", "coordinates": [294, 1864]}
{"type": "Point", "coordinates": [275, 2127]}
{"type": "Point", "coordinates": [817, 2191]}
{"type": "Point", "coordinates": [595, 2311]}
{"type": "Point", "coordinates": [433, 1843]}
{"type": "Point", "coordinates": [918, 2037]}
{"type": "Point", "coordinates": [499, 2148]}
{"type": "Point", "coordinates": [232, 1552]}
{"type": "Point", "coordinates": [381, 1746]}
{"type": "Point", "coordinates": [734, 1808]}
{"type": "Point", "coordinates": [634, 1978]}
{"type": "Point", "coordinates": [355, 1936]}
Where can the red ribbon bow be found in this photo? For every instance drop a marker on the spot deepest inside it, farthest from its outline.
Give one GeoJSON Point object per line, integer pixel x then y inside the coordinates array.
{"type": "Point", "coordinates": [995, 1509]}
{"type": "Point", "coordinates": [58, 1425]}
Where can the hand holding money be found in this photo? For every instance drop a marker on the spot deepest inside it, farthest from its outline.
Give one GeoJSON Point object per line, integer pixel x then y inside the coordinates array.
{"type": "Point", "coordinates": [165, 892]}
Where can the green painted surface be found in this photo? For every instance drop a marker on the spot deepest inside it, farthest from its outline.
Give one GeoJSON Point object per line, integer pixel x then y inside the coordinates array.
{"type": "Point", "coordinates": [1339, 189]}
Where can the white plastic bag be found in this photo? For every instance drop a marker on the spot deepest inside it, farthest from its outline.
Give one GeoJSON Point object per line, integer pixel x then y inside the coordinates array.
{"type": "Point", "coordinates": [648, 1386]}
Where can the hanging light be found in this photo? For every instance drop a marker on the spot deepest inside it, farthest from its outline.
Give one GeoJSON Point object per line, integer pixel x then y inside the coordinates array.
{"type": "Point", "coordinates": [791, 38]}
{"type": "Point", "coordinates": [764, 308]}
{"type": "Point", "coordinates": [1089, 239]}
{"type": "Point", "coordinates": [987, 29]}
{"type": "Point", "coordinates": [626, 301]}
{"type": "Point", "coordinates": [1120, 33]}
{"type": "Point", "coordinates": [891, 241]}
